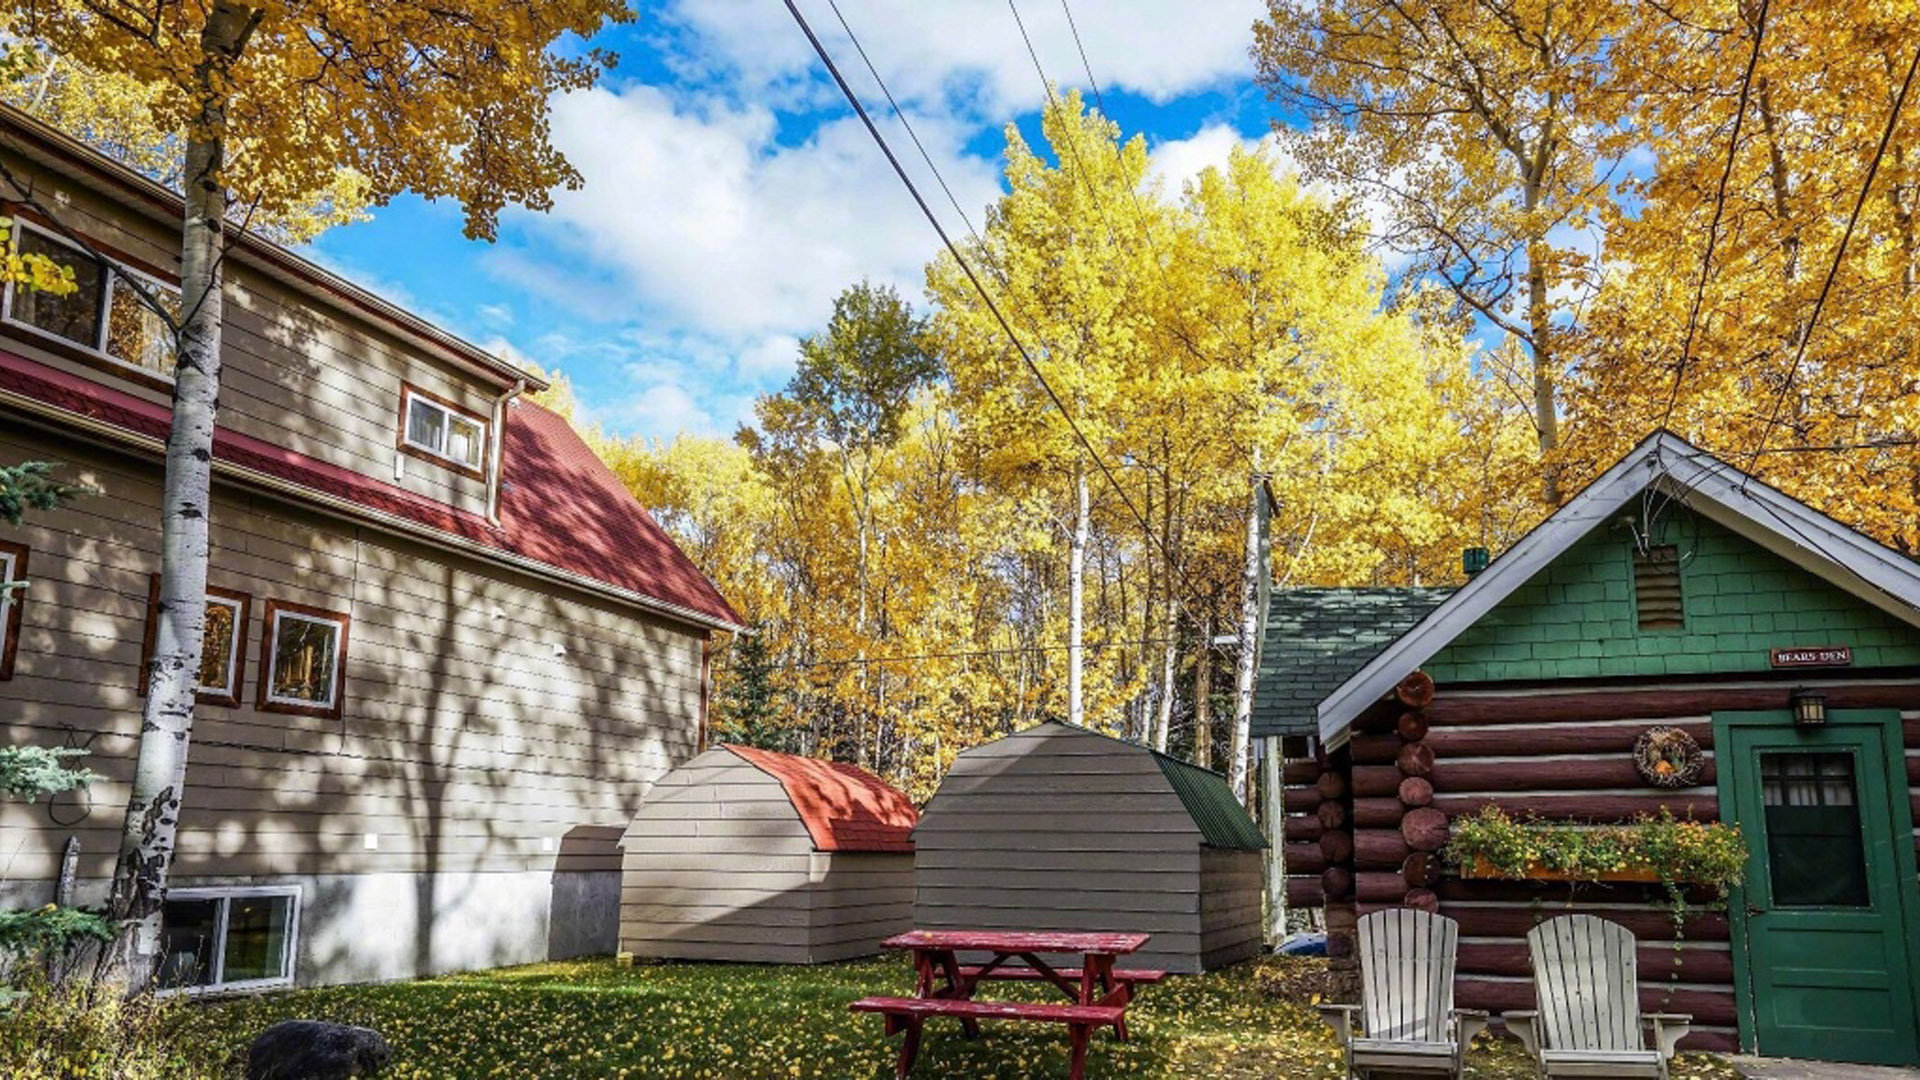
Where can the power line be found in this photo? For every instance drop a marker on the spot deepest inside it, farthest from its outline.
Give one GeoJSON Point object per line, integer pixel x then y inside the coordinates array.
{"type": "Point", "coordinates": [1073, 142]}
{"type": "Point", "coordinates": [1012, 650]}
{"type": "Point", "coordinates": [1840, 253]}
{"type": "Point", "coordinates": [911, 134]}
{"type": "Point", "coordinates": [1100, 102]}
{"type": "Point", "coordinates": [1719, 207]}
{"type": "Point", "coordinates": [966, 269]}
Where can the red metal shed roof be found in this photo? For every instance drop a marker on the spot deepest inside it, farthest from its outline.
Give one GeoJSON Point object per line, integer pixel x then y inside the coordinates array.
{"type": "Point", "coordinates": [559, 504]}
{"type": "Point", "coordinates": [845, 808]}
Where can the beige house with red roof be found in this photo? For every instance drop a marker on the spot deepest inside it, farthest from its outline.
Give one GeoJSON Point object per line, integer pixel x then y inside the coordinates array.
{"type": "Point", "coordinates": [447, 655]}
{"type": "Point", "coordinates": [756, 857]}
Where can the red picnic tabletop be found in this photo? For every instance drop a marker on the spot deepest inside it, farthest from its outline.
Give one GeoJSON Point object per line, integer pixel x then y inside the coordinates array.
{"type": "Point", "coordinates": [1018, 941]}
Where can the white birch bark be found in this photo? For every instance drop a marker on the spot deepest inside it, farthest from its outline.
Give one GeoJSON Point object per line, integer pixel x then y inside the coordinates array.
{"type": "Point", "coordinates": [1169, 662]}
{"type": "Point", "coordinates": [153, 804]}
{"type": "Point", "coordinates": [1202, 693]}
{"type": "Point", "coordinates": [1076, 603]}
{"type": "Point", "coordinates": [1249, 626]}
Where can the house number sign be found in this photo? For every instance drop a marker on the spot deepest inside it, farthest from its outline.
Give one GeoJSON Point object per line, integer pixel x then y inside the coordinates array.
{"type": "Point", "coordinates": [1813, 656]}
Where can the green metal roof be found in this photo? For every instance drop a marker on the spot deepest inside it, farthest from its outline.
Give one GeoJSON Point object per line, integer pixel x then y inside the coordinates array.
{"type": "Point", "coordinates": [1209, 801]}
{"type": "Point", "coordinates": [1223, 822]}
{"type": "Point", "coordinates": [1318, 638]}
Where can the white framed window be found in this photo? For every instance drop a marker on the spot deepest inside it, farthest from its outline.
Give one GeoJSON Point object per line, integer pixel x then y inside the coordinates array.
{"type": "Point", "coordinates": [303, 652]}
{"type": "Point", "coordinates": [223, 654]}
{"type": "Point", "coordinates": [13, 568]}
{"type": "Point", "coordinates": [104, 315]}
{"type": "Point", "coordinates": [242, 938]}
{"type": "Point", "coordinates": [438, 430]}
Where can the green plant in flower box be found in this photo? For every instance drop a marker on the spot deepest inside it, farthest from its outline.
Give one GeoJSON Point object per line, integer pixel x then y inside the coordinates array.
{"type": "Point", "coordinates": [1651, 847]}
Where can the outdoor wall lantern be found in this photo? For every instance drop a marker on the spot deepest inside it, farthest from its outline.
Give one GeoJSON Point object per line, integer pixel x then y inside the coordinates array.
{"type": "Point", "coordinates": [1809, 708]}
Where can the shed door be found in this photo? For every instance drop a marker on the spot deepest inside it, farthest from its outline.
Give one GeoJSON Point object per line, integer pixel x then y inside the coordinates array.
{"type": "Point", "coordinates": [1827, 924]}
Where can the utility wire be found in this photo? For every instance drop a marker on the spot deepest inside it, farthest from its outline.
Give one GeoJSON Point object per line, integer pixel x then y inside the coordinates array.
{"type": "Point", "coordinates": [1100, 102]}
{"type": "Point", "coordinates": [966, 268]}
{"type": "Point", "coordinates": [1833, 271]}
{"type": "Point", "coordinates": [1719, 207]}
{"type": "Point", "coordinates": [1073, 141]}
{"type": "Point", "coordinates": [911, 134]}
{"type": "Point", "coordinates": [1012, 650]}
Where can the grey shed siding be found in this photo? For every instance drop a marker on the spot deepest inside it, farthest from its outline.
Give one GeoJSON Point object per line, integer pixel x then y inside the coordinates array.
{"type": "Point", "coordinates": [720, 866]}
{"type": "Point", "coordinates": [1058, 828]}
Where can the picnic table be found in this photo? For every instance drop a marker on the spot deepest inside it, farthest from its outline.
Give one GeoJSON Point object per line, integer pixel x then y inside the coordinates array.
{"type": "Point", "coordinates": [1097, 992]}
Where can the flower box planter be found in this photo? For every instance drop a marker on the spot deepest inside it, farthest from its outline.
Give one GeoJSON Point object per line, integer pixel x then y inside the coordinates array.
{"type": "Point", "coordinates": [1481, 869]}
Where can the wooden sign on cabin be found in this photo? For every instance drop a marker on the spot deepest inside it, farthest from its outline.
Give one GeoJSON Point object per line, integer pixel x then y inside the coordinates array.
{"type": "Point", "coordinates": [1813, 656]}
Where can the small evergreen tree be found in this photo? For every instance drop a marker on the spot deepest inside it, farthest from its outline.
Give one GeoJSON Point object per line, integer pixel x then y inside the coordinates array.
{"type": "Point", "coordinates": [749, 702]}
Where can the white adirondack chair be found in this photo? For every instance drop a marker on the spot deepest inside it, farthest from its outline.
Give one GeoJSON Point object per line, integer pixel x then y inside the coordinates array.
{"type": "Point", "coordinates": [1587, 985]}
{"type": "Point", "coordinates": [1407, 1023]}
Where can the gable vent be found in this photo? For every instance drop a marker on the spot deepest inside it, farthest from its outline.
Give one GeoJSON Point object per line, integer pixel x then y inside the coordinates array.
{"type": "Point", "coordinates": [1656, 588]}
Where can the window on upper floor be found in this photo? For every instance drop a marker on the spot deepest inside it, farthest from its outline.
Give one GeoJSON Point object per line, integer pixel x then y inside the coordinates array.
{"type": "Point", "coordinates": [227, 939]}
{"type": "Point", "coordinates": [105, 314]}
{"type": "Point", "coordinates": [223, 655]}
{"type": "Point", "coordinates": [438, 430]}
{"type": "Point", "coordinates": [303, 655]}
{"type": "Point", "coordinates": [13, 570]}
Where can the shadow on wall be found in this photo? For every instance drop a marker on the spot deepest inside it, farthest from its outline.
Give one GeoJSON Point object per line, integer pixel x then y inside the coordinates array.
{"type": "Point", "coordinates": [584, 906]}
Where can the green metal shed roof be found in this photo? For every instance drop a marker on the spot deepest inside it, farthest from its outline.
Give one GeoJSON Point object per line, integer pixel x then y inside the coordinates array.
{"type": "Point", "coordinates": [1223, 822]}
{"type": "Point", "coordinates": [1318, 638]}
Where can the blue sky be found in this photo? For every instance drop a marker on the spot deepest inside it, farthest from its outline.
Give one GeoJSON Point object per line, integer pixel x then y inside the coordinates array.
{"type": "Point", "coordinates": [729, 192]}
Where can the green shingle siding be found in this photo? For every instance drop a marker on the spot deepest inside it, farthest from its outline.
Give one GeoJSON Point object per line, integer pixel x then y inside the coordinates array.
{"type": "Point", "coordinates": [1576, 619]}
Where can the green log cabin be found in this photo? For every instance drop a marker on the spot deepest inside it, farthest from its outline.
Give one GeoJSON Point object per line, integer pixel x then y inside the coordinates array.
{"type": "Point", "coordinates": [1673, 592]}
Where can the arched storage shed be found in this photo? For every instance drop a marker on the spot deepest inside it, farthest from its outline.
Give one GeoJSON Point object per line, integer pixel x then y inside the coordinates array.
{"type": "Point", "coordinates": [753, 856]}
{"type": "Point", "coordinates": [1061, 828]}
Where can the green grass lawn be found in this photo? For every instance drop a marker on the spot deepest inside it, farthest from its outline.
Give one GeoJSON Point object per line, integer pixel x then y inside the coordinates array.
{"type": "Point", "coordinates": [731, 1022]}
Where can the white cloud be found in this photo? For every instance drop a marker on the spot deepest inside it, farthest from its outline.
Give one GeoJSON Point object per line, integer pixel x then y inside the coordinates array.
{"type": "Point", "coordinates": [958, 50]}
{"type": "Point", "coordinates": [1176, 161]}
{"type": "Point", "coordinates": [697, 214]}
{"type": "Point", "coordinates": [722, 211]}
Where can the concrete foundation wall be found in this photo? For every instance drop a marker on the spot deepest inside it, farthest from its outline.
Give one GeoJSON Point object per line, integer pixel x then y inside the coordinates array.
{"type": "Point", "coordinates": [376, 927]}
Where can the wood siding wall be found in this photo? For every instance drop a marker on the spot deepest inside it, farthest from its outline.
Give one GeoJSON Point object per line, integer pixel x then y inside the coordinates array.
{"type": "Point", "coordinates": [1567, 755]}
{"type": "Point", "coordinates": [1230, 906]}
{"type": "Point", "coordinates": [719, 866]}
{"type": "Point", "coordinates": [1053, 829]}
{"type": "Point", "coordinates": [860, 899]}
{"type": "Point", "coordinates": [317, 380]}
{"type": "Point", "coordinates": [491, 721]}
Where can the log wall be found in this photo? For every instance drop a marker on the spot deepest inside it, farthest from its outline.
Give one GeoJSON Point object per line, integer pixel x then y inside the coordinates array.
{"type": "Point", "coordinates": [1567, 755]}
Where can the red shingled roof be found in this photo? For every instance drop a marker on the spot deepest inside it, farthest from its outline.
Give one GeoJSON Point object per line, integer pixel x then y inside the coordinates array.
{"type": "Point", "coordinates": [559, 505]}
{"type": "Point", "coordinates": [845, 808]}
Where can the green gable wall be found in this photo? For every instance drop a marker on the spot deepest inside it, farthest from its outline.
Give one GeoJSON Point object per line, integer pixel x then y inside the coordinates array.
{"type": "Point", "coordinates": [1575, 619]}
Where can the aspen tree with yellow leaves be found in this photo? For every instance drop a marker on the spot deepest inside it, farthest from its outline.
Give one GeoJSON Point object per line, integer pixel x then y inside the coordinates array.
{"type": "Point", "coordinates": [1186, 331]}
{"type": "Point", "coordinates": [1722, 346]}
{"type": "Point", "coordinates": [1465, 125]}
{"type": "Point", "coordinates": [272, 99]}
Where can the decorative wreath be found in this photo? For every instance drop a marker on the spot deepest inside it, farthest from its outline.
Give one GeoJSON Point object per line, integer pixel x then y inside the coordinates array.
{"type": "Point", "coordinates": [1667, 757]}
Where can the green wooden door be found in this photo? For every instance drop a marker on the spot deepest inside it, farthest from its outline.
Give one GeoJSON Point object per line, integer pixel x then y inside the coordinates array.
{"type": "Point", "coordinates": [1825, 930]}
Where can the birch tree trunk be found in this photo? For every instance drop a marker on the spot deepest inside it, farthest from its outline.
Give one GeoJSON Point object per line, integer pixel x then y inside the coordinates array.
{"type": "Point", "coordinates": [1249, 627]}
{"type": "Point", "coordinates": [1169, 657]}
{"type": "Point", "coordinates": [1076, 603]}
{"type": "Point", "coordinates": [153, 804]}
{"type": "Point", "coordinates": [1202, 692]}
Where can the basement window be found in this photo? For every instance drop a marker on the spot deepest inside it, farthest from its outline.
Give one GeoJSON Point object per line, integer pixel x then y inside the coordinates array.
{"type": "Point", "coordinates": [227, 939]}
{"type": "Point", "coordinates": [442, 432]}
{"type": "Point", "coordinates": [105, 314]}
{"type": "Point", "coordinates": [1656, 588]}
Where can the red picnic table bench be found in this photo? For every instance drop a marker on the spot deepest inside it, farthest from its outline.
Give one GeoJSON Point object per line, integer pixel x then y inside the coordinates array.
{"type": "Point", "coordinates": [1097, 991]}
